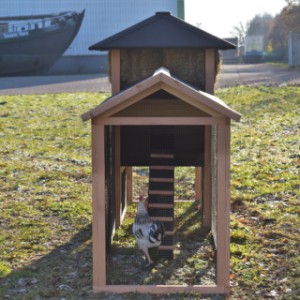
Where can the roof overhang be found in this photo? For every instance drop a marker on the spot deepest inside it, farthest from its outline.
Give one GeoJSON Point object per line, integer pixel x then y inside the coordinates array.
{"type": "Point", "coordinates": [161, 80]}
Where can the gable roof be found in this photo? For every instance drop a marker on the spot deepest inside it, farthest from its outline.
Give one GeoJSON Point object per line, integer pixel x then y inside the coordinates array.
{"type": "Point", "coordinates": [161, 80]}
{"type": "Point", "coordinates": [162, 31]}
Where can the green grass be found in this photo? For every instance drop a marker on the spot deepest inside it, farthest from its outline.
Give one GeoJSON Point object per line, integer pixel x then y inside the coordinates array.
{"type": "Point", "coordinates": [45, 191]}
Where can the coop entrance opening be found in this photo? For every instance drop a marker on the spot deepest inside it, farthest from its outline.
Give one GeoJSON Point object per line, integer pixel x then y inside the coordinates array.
{"type": "Point", "coordinates": [167, 177]}
{"type": "Point", "coordinates": [192, 257]}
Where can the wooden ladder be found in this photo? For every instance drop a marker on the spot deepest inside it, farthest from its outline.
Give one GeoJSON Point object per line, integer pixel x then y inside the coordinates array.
{"type": "Point", "coordinates": [161, 197]}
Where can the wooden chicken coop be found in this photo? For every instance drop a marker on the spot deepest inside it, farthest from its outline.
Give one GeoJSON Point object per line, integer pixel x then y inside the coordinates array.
{"type": "Point", "coordinates": [162, 114]}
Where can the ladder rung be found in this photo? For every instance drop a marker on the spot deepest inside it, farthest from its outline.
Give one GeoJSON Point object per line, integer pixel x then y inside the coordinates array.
{"type": "Point", "coordinates": [165, 247]}
{"type": "Point", "coordinates": [171, 168]}
{"type": "Point", "coordinates": [157, 179]}
{"type": "Point", "coordinates": [169, 233]}
{"type": "Point", "coordinates": [160, 205]}
{"type": "Point", "coordinates": [162, 219]}
{"type": "Point", "coordinates": [161, 155]}
{"type": "Point", "coordinates": [162, 193]}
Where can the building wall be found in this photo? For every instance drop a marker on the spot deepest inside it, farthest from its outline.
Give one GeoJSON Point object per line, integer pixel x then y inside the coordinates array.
{"type": "Point", "coordinates": [294, 49]}
{"type": "Point", "coordinates": [102, 19]}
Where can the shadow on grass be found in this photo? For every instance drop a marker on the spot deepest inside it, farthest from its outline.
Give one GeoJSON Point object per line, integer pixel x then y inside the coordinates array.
{"type": "Point", "coordinates": [65, 272]}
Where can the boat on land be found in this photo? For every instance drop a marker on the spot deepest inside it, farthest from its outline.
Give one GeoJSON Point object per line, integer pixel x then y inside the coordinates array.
{"type": "Point", "coordinates": [30, 45]}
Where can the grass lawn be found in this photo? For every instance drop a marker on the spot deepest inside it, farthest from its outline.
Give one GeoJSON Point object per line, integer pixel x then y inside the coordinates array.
{"type": "Point", "coordinates": [45, 196]}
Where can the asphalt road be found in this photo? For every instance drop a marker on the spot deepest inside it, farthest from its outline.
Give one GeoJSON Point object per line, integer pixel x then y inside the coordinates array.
{"type": "Point", "coordinates": [54, 84]}
{"type": "Point", "coordinates": [230, 75]}
{"type": "Point", "coordinates": [257, 74]}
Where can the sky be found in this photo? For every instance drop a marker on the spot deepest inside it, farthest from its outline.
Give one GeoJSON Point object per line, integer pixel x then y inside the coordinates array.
{"type": "Point", "coordinates": [218, 17]}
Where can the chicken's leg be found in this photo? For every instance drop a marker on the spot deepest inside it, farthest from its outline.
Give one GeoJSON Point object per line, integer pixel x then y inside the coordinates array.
{"type": "Point", "coordinates": [150, 262]}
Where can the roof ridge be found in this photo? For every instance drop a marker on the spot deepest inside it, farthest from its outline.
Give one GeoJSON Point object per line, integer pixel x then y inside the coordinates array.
{"type": "Point", "coordinates": [162, 36]}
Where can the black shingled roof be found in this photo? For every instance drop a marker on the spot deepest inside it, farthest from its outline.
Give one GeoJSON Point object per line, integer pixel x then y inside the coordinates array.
{"type": "Point", "coordinates": [162, 31]}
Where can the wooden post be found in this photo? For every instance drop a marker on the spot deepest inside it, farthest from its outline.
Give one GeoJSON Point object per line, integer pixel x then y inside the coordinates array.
{"type": "Point", "coordinates": [117, 177]}
{"type": "Point", "coordinates": [129, 185]}
{"type": "Point", "coordinates": [207, 179]}
{"type": "Point", "coordinates": [210, 70]}
{"type": "Point", "coordinates": [198, 185]}
{"type": "Point", "coordinates": [115, 69]}
{"type": "Point", "coordinates": [98, 202]}
{"type": "Point", "coordinates": [223, 204]}
{"type": "Point", "coordinates": [115, 61]}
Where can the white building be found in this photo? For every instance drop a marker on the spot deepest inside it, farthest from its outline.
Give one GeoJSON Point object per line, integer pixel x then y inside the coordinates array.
{"type": "Point", "coordinates": [102, 19]}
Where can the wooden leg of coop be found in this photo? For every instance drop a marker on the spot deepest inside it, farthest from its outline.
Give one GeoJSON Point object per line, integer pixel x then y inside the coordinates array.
{"type": "Point", "coordinates": [207, 179]}
{"type": "Point", "coordinates": [223, 205]}
{"type": "Point", "coordinates": [98, 198]}
{"type": "Point", "coordinates": [129, 185]}
{"type": "Point", "coordinates": [198, 182]}
{"type": "Point", "coordinates": [117, 177]}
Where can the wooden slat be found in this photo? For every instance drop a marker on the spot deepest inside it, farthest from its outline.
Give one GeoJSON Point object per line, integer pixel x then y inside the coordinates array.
{"type": "Point", "coordinates": [162, 193]}
{"type": "Point", "coordinates": [170, 168]}
{"type": "Point", "coordinates": [169, 233]}
{"type": "Point", "coordinates": [156, 179]}
{"type": "Point", "coordinates": [162, 289]}
{"type": "Point", "coordinates": [160, 205]}
{"type": "Point", "coordinates": [166, 247]}
{"type": "Point", "coordinates": [161, 155]}
{"type": "Point", "coordinates": [162, 219]}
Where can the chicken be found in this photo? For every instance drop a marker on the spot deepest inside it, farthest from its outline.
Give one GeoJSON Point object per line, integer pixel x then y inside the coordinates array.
{"type": "Point", "coordinates": [148, 233]}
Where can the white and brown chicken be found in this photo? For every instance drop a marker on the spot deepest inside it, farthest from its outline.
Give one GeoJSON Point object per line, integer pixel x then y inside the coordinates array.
{"type": "Point", "coordinates": [148, 233]}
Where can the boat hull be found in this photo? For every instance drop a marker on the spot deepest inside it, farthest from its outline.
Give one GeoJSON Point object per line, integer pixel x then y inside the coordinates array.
{"type": "Point", "coordinates": [35, 51]}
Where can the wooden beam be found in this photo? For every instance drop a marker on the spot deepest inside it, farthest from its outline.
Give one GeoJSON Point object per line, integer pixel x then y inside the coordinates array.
{"type": "Point", "coordinates": [115, 69]}
{"type": "Point", "coordinates": [129, 185]}
{"type": "Point", "coordinates": [161, 121]}
{"type": "Point", "coordinates": [210, 70]}
{"type": "Point", "coordinates": [223, 204]}
{"type": "Point", "coordinates": [198, 184]}
{"type": "Point", "coordinates": [118, 176]}
{"type": "Point", "coordinates": [98, 203]}
{"type": "Point", "coordinates": [163, 289]}
{"type": "Point", "coordinates": [207, 179]}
